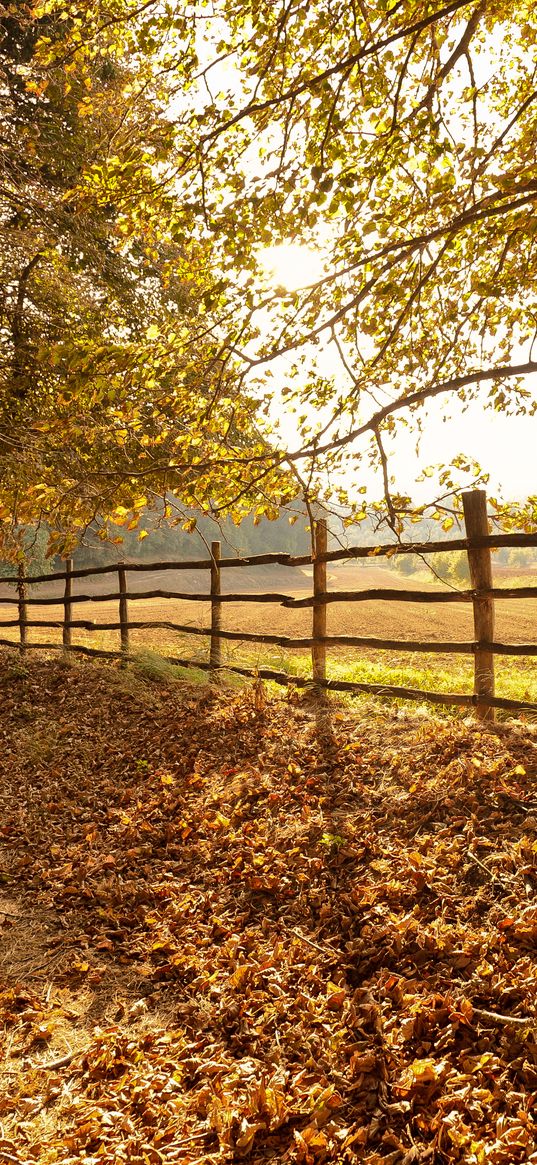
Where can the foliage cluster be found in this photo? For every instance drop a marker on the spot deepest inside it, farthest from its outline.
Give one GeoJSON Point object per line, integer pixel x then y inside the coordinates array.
{"type": "Point", "coordinates": [172, 542]}
{"type": "Point", "coordinates": [153, 152]}
{"type": "Point", "coordinates": [112, 387]}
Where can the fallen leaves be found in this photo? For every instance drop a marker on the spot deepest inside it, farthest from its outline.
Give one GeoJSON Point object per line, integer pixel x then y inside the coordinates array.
{"type": "Point", "coordinates": [262, 937]}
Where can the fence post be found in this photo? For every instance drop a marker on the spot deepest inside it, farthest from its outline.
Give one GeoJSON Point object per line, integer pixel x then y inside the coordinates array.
{"type": "Point", "coordinates": [67, 607]}
{"type": "Point", "coordinates": [23, 608]}
{"type": "Point", "coordinates": [215, 658]}
{"type": "Point", "coordinates": [318, 650]}
{"type": "Point", "coordinates": [480, 562]}
{"type": "Point", "coordinates": [123, 609]}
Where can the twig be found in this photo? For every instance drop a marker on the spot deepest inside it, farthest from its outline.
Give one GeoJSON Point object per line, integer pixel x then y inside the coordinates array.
{"type": "Point", "coordinates": [493, 877]}
{"type": "Point", "coordinates": [478, 862]}
{"type": "Point", "coordinates": [177, 1146]}
{"type": "Point", "coordinates": [496, 1018]}
{"type": "Point", "coordinates": [324, 950]}
{"type": "Point", "coordinates": [62, 1061]}
{"type": "Point", "coordinates": [429, 816]}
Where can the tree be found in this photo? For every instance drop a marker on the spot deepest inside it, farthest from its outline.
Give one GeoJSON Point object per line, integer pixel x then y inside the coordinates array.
{"type": "Point", "coordinates": [111, 386]}
{"type": "Point", "coordinates": [453, 566]}
{"type": "Point", "coordinates": [400, 141]}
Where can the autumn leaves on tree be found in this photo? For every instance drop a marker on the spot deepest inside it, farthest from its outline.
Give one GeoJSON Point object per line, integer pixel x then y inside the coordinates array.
{"type": "Point", "coordinates": [152, 152]}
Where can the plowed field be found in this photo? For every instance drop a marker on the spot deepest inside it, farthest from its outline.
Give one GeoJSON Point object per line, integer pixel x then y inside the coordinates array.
{"type": "Point", "coordinates": [516, 619]}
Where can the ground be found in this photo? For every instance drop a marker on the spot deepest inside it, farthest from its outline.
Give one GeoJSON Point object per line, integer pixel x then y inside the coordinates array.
{"type": "Point", "coordinates": [235, 927]}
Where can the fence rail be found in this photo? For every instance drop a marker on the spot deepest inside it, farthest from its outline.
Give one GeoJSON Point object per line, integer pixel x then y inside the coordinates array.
{"type": "Point", "coordinates": [478, 544]}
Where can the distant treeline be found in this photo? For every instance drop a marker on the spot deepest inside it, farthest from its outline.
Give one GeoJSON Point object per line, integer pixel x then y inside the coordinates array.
{"type": "Point", "coordinates": [453, 565]}
{"type": "Point", "coordinates": [160, 539]}
{"type": "Point", "coordinates": [166, 541]}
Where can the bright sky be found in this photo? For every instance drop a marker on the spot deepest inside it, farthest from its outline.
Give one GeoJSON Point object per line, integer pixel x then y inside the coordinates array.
{"type": "Point", "coordinates": [505, 447]}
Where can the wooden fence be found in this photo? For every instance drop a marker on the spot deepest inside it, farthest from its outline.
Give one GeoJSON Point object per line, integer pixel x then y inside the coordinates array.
{"type": "Point", "coordinates": [477, 543]}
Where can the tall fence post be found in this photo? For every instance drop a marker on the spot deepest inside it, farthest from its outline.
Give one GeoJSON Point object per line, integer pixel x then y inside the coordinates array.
{"type": "Point", "coordinates": [318, 650]}
{"type": "Point", "coordinates": [67, 606]}
{"type": "Point", "coordinates": [215, 658]}
{"type": "Point", "coordinates": [480, 562]}
{"type": "Point", "coordinates": [123, 609]}
{"type": "Point", "coordinates": [23, 608]}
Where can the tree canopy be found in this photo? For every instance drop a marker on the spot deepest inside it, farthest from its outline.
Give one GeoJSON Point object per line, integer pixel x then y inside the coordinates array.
{"type": "Point", "coordinates": [396, 140]}
{"type": "Point", "coordinates": [108, 375]}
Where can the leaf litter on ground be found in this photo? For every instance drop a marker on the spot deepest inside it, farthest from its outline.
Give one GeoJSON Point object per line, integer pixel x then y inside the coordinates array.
{"type": "Point", "coordinates": [234, 927]}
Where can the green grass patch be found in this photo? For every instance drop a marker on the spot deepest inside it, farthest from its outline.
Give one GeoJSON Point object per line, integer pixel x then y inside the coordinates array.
{"type": "Point", "coordinates": [516, 677]}
{"type": "Point", "coordinates": [150, 665]}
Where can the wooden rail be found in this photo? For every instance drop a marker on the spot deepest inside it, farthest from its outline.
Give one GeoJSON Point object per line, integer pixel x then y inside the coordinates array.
{"type": "Point", "coordinates": [216, 609]}
{"type": "Point", "coordinates": [377, 594]}
{"type": "Point", "coordinates": [22, 603]}
{"type": "Point", "coordinates": [67, 605]}
{"type": "Point", "coordinates": [440, 646]}
{"type": "Point", "coordinates": [318, 647]}
{"type": "Point", "coordinates": [287, 680]}
{"type": "Point", "coordinates": [483, 647]}
{"type": "Point", "coordinates": [480, 563]}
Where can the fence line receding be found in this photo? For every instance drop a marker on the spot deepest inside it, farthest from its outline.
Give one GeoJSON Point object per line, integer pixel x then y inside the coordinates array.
{"type": "Point", "coordinates": [482, 595]}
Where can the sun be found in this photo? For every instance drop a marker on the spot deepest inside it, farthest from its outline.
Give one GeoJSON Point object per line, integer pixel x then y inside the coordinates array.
{"type": "Point", "coordinates": [292, 265]}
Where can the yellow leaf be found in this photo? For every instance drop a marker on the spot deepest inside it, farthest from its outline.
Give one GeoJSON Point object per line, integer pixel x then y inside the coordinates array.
{"type": "Point", "coordinates": [427, 1071]}
{"type": "Point", "coordinates": [336, 996]}
{"type": "Point", "coordinates": [246, 1137]}
{"type": "Point", "coordinates": [240, 975]}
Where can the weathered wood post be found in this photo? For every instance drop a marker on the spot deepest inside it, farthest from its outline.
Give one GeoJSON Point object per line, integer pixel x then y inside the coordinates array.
{"type": "Point", "coordinates": [123, 609]}
{"type": "Point", "coordinates": [23, 607]}
{"type": "Point", "coordinates": [318, 650]}
{"type": "Point", "coordinates": [215, 658]}
{"type": "Point", "coordinates": [67, 606]}
{"type": "Point", "coordinates": [480, 562]}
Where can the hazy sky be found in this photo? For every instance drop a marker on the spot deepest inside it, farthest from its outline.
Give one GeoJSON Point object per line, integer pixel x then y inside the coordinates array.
{"type": "Point", "coordinates": [505, 447]}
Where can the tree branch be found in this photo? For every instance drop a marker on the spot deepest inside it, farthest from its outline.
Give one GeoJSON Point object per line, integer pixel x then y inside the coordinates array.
{"type": "Point", "coordinates": [458, 52]}
{"type": "Point", "coordinates": [416, 398]}
{"type": "Point", "coordinates": [348, 63]}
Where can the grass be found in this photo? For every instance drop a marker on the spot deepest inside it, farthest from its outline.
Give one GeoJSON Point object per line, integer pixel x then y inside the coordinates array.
{"type": "Point", "coordinates": [150, 665]}
{"type": "Point", "coordinates": [516, 677]}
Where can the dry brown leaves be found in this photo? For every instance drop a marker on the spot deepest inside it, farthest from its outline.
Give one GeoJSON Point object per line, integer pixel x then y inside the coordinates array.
{"type": "Point", "coordinates": [240, 929]}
